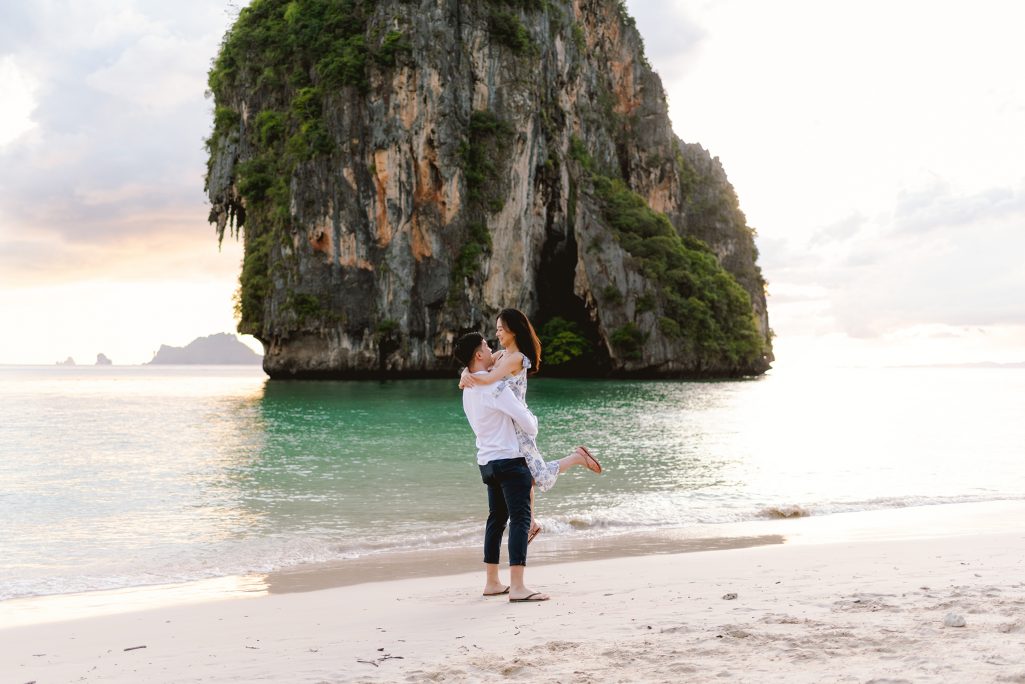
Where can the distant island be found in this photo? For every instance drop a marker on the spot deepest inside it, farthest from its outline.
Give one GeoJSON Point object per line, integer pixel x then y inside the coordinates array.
{"type": "Point", "coordinates": [102, 360]}
{"type": "Point", "coordinates": [219, 349]}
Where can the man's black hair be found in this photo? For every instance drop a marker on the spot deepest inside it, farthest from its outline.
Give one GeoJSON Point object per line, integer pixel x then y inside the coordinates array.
{"type": "Point", "coordinates": [466, 346]}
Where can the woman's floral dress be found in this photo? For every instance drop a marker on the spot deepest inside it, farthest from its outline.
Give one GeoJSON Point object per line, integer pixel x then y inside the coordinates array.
{"type": "Point", "coordinates": [544, 472]}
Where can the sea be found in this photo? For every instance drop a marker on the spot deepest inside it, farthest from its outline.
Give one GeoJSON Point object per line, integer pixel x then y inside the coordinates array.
{"type": "Point", "coordinates": [119, 477]}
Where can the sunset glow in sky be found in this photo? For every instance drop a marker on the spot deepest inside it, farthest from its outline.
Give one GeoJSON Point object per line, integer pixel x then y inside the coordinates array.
{"type": "Point", "coordinates": [876, 148]}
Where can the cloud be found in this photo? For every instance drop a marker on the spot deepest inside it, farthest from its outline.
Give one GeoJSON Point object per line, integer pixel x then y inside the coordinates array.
{"type": "Point", "coordinates": [937, 206]}
{"type": "Point", "coordinates": [19, 101]}
{"type": "Point", "coordinates": [670, 33]}
{"type": "Point", "coordinates": [936, 258]}
{"type": "Point", "coordinates": [838, 231]}
{"type": "Point", "coordinates": [780, 254]}
{"type": "Point", "coordinates": [967, 269]}
{"type": "Point", "coordinates": [865, 256]}
{"type": "Point", "coordinates": [131, 78]}
{"type": "Point", "coordinates": [117, 150]}
{"type": "Point", "coordinates": [39, 261]}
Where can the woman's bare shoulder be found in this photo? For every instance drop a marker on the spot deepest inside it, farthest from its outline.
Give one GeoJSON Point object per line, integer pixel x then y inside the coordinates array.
{"type": "Point", "coordinates": [511, 361]}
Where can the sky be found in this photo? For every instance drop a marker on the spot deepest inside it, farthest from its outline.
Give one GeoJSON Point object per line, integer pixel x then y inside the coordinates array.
{"type": "Point", "coordinates": [878, 148]}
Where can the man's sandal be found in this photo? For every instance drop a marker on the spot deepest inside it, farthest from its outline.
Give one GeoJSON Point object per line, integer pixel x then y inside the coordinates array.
{"type": "Point", "coordinates": [530, 599]}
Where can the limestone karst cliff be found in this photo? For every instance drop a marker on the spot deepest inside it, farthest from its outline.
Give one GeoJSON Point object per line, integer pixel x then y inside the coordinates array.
{"type": "Point", "coordinates": [400, 170]}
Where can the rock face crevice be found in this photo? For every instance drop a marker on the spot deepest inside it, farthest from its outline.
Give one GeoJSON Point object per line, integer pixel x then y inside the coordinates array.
{"type": "Point", "coordinates": [402, 170]}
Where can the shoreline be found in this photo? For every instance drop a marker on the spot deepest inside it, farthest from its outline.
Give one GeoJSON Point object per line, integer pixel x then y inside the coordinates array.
{"type": "Point", "coordinates": [927, 609]}
{"type": "Point", "coordinates": [909, 523]}
{"type": "Point", "coordinates": [314, 577]}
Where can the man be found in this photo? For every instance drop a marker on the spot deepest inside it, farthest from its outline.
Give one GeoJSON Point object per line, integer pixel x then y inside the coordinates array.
{"type": "Point", "coordinates": [491, 410]}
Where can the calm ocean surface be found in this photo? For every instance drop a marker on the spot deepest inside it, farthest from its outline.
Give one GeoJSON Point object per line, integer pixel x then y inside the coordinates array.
{"type": "Point", "coordinates": [127, 476]}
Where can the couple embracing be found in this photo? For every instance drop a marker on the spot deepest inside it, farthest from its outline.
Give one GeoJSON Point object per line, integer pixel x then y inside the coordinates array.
{"type": "Point", "coordinates": [494, 399]}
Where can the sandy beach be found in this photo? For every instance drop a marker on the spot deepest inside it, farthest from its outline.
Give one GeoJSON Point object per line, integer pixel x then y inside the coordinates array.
{"type": "Point", "coordinates": [869, 608]}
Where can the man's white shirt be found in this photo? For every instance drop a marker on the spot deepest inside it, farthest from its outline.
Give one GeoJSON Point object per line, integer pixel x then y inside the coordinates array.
{"type": "Point", "coordinates": [491, 410]}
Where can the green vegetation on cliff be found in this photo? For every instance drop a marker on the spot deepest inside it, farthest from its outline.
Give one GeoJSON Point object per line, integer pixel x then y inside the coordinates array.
{"type": "Point", "coordinates": [476, 246]}
{"type": "Point", "coordinates": [295, 43]}
{"type": "Point", "coordinates": [507, 29]}
{"type": "Point", "coordinates": [703, 303]}
{"type": "Point", "coordinates": [562, 342]}
{"type": "Point", "coordinates": [280, 58]}
{"type": "Point", "coordinates": [487, 142]}
{"type": "Point", "coordinates": [628, 340]}
{"type": "Point", "coordinates": [711, 204]}
{"type": "Point", "coordinates": [255, 280]}
{"type": "Point", "coordinates": [481, 154]}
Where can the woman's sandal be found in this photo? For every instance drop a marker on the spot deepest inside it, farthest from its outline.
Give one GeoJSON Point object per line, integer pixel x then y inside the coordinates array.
{"type": "Point", "coordinates": [534, 531]}
{"type": "Point", "coordinates": [590, 461]}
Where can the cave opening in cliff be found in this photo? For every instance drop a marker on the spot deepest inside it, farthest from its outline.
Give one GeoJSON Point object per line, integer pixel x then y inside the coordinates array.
{"type": "Point", "coordinates": [570, 342]}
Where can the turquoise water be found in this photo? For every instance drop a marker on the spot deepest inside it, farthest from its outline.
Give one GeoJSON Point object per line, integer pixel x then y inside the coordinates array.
{"type": "Point", "coordinates": [128, 476]}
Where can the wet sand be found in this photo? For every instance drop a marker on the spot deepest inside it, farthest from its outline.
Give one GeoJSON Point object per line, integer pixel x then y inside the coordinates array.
{"type": "Point", "coordinates": [883, 599]}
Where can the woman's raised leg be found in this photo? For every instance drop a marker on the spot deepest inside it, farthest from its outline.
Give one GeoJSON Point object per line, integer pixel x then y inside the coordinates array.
{"type": "Point", "coordinates": [581, 456]}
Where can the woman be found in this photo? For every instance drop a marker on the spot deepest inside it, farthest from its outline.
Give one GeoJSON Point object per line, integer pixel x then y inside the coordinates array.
{"type": "Point", "coordinates": [520, 354]}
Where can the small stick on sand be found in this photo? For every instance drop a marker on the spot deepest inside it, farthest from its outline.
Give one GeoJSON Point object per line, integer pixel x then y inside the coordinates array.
{"type": "Point", "coordinates": [378, 661]}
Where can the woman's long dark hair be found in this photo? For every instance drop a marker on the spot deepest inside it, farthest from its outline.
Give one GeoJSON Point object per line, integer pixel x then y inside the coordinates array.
{"type": "Point", "coordinates": [526, 339]}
